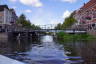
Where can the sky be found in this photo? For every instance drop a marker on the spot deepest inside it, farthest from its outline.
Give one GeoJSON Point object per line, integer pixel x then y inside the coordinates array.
{"type": "Point", "coordinates": [43, 12]}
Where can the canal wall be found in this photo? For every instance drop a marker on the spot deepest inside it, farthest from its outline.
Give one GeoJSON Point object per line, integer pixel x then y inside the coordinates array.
{"type": "Point", "coordinates": [3, 36]}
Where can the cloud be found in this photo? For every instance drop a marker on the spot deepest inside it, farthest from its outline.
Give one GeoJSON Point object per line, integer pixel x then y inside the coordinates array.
{"type": "Point", "coordinates": [28, 11]}
{"type": "Point", "coordinates": [70, 1]}
{"type": "Point", "coordinates": [66, 14]}
{"type": "Point", "coordinates": [35, 3]}
{"type": "Point", "coordinates": [12, 0]}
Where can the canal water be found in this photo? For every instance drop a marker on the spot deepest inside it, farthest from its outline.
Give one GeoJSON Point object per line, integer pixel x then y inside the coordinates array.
{"type": "Point", "coordinates": [47, 50]}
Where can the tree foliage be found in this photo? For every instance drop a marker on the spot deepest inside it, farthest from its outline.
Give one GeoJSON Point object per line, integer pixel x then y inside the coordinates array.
{"type": "Point", "coordinates": [26, 23]}
{"type": "Point", "coordinates": [68, 22]}
{"type": "Point", "coordinates": [59, 26]}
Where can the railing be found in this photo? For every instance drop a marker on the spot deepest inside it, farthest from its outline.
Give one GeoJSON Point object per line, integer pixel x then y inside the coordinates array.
{"type": "Point", "coordinates": [12, 28]}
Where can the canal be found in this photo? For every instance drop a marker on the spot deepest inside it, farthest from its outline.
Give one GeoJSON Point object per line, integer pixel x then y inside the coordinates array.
{"type": "Point", "coordinates": [47, 50]}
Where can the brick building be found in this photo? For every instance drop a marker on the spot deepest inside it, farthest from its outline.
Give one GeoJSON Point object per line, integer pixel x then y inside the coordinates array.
{"type": "Point", "coordinates": [86, 16]}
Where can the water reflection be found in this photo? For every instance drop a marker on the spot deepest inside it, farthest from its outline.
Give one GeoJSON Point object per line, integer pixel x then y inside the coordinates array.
{"type": "Point", "coordinates": [46, 50]}
{"type": "Point", "coordinates": [82, 52]}
{"type": "Point", "coordinates": [72, 51]}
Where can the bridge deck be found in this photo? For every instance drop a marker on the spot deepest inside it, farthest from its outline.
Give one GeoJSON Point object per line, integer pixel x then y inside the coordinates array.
{"type": "Point", "coordinates": [22, 29]}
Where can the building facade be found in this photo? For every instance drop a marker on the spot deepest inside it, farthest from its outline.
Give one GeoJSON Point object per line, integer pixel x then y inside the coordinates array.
{"type": "Point", "coordinates": [13, 16]}
{"type": "Point", "coordinates": [86, 16]}
{"type": "Point", "coordinates": [7, 16]}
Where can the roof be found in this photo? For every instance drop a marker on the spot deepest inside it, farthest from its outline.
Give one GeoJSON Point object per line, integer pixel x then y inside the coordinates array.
{"type": "Point", "coordinates": [89, 4]}
{"type": "Point", "coordinates": [2, 7]}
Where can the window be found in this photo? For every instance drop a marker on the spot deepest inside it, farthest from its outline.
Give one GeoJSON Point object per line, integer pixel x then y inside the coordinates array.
{"type": "Point", "coordinates": [1, 19]}
{"type": "Point", "coordinates": [88, 18]}
{"type": "Point", "coordinates": [94, 15]}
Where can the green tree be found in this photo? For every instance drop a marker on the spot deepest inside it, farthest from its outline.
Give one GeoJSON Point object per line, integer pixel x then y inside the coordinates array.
{"type": "Point", "coordinates": [35, 27]}
{"type": "Point", "coordinates": [59, 26]}
{"type": "Point", "coordinates": [68, 22]}
{"type": "Point", "coordinates": [22, 20]}
{"type": "Point", "coordinates": [26, 23]}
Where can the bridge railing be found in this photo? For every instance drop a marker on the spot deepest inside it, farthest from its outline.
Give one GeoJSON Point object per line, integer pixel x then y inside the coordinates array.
{"type": "Point", "coordinates": [13, 28]}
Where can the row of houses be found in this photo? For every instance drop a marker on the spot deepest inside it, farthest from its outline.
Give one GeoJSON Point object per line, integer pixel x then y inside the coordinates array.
{"type": "Point", "coordinates": [86, 16]}
{"type": "Point", "coordinates": [7, 16]}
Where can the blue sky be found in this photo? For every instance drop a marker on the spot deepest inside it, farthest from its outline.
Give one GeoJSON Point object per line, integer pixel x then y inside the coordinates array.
{"type": "Point", "coordinates": [43, 12]}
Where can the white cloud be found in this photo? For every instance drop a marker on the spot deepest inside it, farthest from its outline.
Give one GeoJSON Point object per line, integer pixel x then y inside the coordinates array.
{"type": "Point", "coordinates": [66, 14]}
{"type": "Point", "coordinates": [70, 1]}
{"type": "Point", "coordinates": [13, 0]}
{"type": "Point", "coordinates": [35, 3]}
{"type": "Point", "coordinates": [28, 11]}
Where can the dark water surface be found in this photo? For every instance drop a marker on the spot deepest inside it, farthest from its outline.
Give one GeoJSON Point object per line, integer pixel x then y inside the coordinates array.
{"type": "Point", "coordinates": [47, 50]}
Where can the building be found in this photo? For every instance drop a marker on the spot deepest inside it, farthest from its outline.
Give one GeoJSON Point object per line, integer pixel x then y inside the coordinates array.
{"type": "Point", "coordinates": [13, 17]}
{"type": "Point", "coordinates": [86, 16]}
{"type": "Point", "coordinates": [7, 16]}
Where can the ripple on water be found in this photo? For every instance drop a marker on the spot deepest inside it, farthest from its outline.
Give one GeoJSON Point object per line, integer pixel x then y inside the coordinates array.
{"type": "Point", "coordinates": [48, 52]}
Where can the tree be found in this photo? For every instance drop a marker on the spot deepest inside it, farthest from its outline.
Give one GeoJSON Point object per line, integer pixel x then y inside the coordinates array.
{"type": "Point", "coordinates": [59, 26]}
{"type": "Point", "coordinates": [35, 27]}
{"type": "Point", "coordinates": [68, 22]}
{"type": "Point", "coordinates": [22, 20]}
{"type": "Point", "coordinates": [26, 23]}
